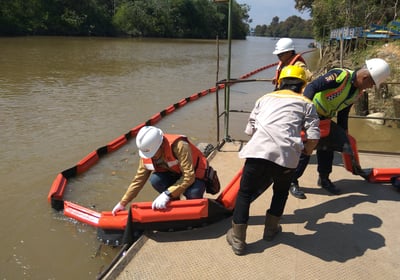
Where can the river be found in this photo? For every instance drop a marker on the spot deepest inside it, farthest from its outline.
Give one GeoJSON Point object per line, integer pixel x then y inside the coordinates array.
{"type": "Point", "coordinates": [63, 97]}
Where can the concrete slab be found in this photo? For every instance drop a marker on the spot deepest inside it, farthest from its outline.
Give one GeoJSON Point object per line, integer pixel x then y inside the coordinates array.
{"type": "Point", "coordinates": [349, 236]}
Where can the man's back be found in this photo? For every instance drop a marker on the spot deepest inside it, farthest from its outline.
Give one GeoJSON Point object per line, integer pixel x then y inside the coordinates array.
{"type": "Point", "coordinates": [277, 120]}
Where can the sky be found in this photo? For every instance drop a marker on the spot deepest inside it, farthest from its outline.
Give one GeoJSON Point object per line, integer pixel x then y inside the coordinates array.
{"type": "Point", "coordinates": [262, 11]}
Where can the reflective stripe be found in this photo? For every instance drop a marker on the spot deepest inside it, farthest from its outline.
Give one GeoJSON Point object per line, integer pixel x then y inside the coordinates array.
{"type": "Point", "coordinates": [330, 101]}
{"type": "Point", "coordinates": [200, 163]}
{"type": "Point", "coordinates": [172, 163]}
{"type": "Point", "coordinates": [149, 166]}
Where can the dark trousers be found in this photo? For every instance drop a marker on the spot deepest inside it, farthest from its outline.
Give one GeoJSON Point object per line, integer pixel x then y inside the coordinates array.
{"type": "Point", "coordinates": [337, 140]}
{"type": "Point", "coordinates": [258, 174]}
{"type": "Point", "coordinates": [161, 181]}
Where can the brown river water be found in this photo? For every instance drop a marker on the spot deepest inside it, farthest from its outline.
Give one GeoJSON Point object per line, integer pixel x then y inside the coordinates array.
{"type": "Point", "coordinates": [62, 98]}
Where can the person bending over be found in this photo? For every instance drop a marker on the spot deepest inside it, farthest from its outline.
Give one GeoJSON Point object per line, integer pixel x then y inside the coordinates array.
{"type": "Point", "coordinates": [168, 160]}
{"type": "Point", "coordinates": [273, 151]}
{"type": "Point", "coordinates": [336, 92]}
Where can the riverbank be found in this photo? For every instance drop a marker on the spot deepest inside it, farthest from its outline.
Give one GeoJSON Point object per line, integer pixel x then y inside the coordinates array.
{"type": "Point", "coordinates": [379, 102]}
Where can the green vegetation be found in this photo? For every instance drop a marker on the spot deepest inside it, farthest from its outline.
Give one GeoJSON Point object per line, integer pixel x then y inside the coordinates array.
{"type": "Point", "coordinates": [203, 19]}
{"type": "Point", "coordinates": [293, 27]}
{"type": "Point", "coordinates": [147, 18]}
{"type": "Point", "coordinates": [331, 14]}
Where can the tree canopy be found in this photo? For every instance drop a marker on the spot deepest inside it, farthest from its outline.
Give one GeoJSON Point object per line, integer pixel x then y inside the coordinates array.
{"type": "Point", "coordinates": [147, 18]}
{"type": "Point", "coordinates": [294, 27]}
{"type": "Point", "coordinates": [203, 19]}
{"type": "Point", "coordinates": [332, 14]}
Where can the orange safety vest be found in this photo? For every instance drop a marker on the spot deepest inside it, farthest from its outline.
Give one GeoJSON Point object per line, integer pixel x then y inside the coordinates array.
{"type": "Point", "coordinates": [279, 68]}
{"type": "Point", "coordinates": [200, 163]}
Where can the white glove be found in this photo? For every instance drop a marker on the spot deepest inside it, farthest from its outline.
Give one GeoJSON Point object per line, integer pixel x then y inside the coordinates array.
{"type": "Point", "coordinates": [117, 208]}
{"type": "Point", "coordinates": [161, 201]}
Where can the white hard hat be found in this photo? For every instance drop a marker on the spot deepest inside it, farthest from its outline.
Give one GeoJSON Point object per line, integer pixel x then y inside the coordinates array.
{"type": "Point", "coordinates": [378, 69]}
{"type": "Point", "coordinates": [148, 140]}
{"type": "Point", "coordinates": [283, 45]}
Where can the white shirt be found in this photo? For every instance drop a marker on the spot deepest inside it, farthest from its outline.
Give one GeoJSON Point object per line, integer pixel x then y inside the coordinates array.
{"type": "Point", "coordinates": [275, 124]}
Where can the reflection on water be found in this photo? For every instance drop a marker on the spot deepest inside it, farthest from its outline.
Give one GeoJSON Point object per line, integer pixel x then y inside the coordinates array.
{"type": "Point", "coordinates": [62, 98]}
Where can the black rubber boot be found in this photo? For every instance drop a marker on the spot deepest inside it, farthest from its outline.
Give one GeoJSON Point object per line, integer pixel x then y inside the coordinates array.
{"type": "Point", "coordinates": [296, 192]}
{"type": "Point", "coordinates": [324, 182]}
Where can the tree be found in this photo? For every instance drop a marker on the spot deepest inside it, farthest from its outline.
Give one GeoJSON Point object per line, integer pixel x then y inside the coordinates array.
{"type": "Point", "coordinates": [274, 27]}
{"type": "Point", "coordinates": [294, 27]}
{"type": "Point", "coordinates": [19, 17]}
{"type": "Point", "coordinates": [240, 20]}
{"type": "Point", "coordinates": [329, 14]}
{"type": "Point", "coordinates": [148, 18]}
{"type": "Point", "coordinates": [304, 5]}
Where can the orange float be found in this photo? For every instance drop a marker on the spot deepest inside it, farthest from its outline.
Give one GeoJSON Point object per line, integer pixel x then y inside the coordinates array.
{"type": "Point", "coordinates": [180, 214]}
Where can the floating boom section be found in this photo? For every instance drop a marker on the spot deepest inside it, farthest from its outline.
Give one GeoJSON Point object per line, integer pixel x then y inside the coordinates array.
{"type": "Point", "coordinates": [144, 217]}
{"type": "Point", "coordinates": [228, 196]}
{"type": "Point", "coordinates": [82, 214]}
{"type": "Point", "coordinates": [347, 159]}
{"type": "Point", "coordinates": [383, 175]}
{"type": "Point", "coordinates": [179, 214]}
{"type": "Point", "coordinates": [376, 175]}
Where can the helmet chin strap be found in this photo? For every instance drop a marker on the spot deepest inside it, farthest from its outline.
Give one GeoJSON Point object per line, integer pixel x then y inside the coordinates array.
{"type": "Point", "coordinates": [159, 152]}
{"type": "Point", "coordinates": [360, 93]}
{"type": "Point", "coordinates": [294, 87]}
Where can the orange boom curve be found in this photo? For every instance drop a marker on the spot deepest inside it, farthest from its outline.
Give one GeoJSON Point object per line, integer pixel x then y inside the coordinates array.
{"type": "Point", "coordinates": [179, 215]}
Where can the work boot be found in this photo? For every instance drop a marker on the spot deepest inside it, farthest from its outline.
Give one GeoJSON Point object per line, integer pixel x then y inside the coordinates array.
{"type": "Point", "coordinates": [357, 170]}
{"type": "Point", "coordinates": [236, 237]}
{"type": "Point", "coordinates": [296, 192]}
{"type": "Point", "coordinates": [324, 182]}
{"type": "Point", "coordinates": [272, 227]}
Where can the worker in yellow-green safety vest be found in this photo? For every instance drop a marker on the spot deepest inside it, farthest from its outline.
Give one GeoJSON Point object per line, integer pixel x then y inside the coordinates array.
{"type": "Point", "coordinates": [334, 93]}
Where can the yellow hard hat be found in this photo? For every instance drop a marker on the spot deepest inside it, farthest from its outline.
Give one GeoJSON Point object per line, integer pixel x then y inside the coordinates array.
{"type": "Point", "coordinates": [293, 71]}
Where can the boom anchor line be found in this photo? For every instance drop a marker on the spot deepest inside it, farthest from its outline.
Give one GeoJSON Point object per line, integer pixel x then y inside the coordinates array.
{"type": "Point", "coordinates": [235, 81]}
{"type": "Point", "coordinates": [243, 78]}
